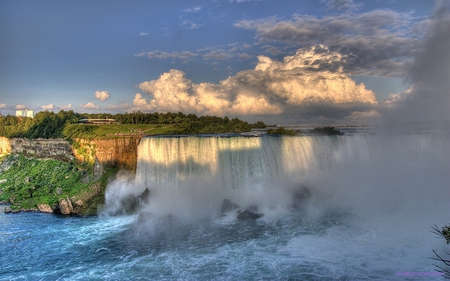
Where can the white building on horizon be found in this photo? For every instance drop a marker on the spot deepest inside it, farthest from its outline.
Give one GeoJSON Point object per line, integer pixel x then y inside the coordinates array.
{"type": "Point", "coordinates": [25, 113]}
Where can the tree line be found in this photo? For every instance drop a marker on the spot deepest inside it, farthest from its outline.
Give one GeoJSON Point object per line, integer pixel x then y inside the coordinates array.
{"type": "Point", "coordinates": [48, 124]}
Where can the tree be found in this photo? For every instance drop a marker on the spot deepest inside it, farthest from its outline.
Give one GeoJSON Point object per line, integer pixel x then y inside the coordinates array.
{"type": "Point", "coordinates": [443, 232]}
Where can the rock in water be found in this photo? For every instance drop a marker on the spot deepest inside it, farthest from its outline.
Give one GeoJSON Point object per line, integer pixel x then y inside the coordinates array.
{"type": "Point", "coordinates": [145, 217]}
{"type": "Point", "coordinates": [45, 208]}
{"type": "Point", "coordinates": [227, 206]}
{"type": "Point", "coordinates": [130, 204]}
{"type": "Point", "coordinates": [248, 215]}
{"type": "Point", "coordinates": [299, 197]}
{"type": "Point", "coordinates": [145, 196]}
{"type": "Point", "coordinates": [66, 206]}
{"type": "Point", "coordinates": [56, 209]}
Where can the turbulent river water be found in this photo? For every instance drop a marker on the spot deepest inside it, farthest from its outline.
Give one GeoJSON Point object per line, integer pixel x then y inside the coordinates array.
{"type": "Point", "coordinates": [371, 202]}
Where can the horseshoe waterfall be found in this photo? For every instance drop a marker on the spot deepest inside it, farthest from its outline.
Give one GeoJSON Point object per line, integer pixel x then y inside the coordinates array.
{"type": "Point", "coordinates": [359, 206]}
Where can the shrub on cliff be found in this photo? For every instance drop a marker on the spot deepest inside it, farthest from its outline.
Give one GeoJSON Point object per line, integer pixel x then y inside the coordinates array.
{"type": "Point", "coordinates": [282, 131]}
{"type": "Point", "coordinates": [326, 131]}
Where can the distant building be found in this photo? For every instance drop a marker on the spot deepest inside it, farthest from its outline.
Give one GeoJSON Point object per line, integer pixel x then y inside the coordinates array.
{"type": "Point", "coordinates": [25, 113]}
{"type": "Point", "coordinates": [98, 121]}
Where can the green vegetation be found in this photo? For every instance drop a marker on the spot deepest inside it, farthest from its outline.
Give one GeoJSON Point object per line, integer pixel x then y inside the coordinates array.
{"type": "Point", "coordinates": [326, 130]}
{"type": "Point", "coordinates": [27, 182]}
{"type": "Point", "coordinates": [282, 131]}
{"type": "Point", "coordinates": [259, 125]}
{"type": "Point", "coordinates": [64, 125]}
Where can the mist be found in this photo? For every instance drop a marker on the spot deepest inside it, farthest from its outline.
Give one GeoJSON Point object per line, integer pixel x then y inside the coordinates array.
{"type": "Point", "coordinates": [371, 196]}
{"type": "Point", "coordinates": [427, 102]}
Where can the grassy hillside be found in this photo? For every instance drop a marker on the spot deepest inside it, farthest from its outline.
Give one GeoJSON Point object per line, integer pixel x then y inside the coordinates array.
{"type": "Point", "coordinates": [27, 182]}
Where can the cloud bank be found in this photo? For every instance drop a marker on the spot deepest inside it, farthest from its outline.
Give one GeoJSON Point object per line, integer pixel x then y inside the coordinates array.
{"type": "Point", "coordinates": [377, 43]}
{"type": "Point", "coordinates": [311, 82]}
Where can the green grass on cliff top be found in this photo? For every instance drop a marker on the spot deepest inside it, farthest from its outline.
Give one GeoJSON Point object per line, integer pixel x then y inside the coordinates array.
{"type": "Point", "coordinates": [116, 130]}
{"type": "Point", "coordinates": [128, 129]}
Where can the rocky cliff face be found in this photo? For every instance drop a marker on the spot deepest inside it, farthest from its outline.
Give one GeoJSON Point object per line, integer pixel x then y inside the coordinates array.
{"type": "Point", "coordinates": [120, 151]}
{"type": "Point", "coordinates": [5, 146]}
{"type": "Point", "coordinates": [42, 148]}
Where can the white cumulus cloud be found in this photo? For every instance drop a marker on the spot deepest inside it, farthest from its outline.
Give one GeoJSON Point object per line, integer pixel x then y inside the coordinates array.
{"type": "Point", "coordinates": [102, 95]}
{"type": "Point", "coordinates": [21, 106]}
{"type": "Point", "coordinates": [89, 105]}
{"type": "Point", "coordinates": [310, 82]}
{"type": "Point", "coordinates": [2, 105]}
{"type": "Point", "coordinates": [49, 106]}
{"type": "Point", "coordinates": [65, 107]}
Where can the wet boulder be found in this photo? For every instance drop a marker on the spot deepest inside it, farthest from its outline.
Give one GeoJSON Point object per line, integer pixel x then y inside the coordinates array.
{"type": "Point", "coordinates": [56, 208]}
{"type": "Point", "coordinates": [145, 217]}
{"type": "Point", "coordinates": [145, 196]}
{"type": "Point", "coordinates": [227, 206]}
{"type": "Point", "coordinates": [248, 215]}
{"type": "Point", "coordinates": [130, 204]}
{"type": "Point", "coordinates": [299, 197]}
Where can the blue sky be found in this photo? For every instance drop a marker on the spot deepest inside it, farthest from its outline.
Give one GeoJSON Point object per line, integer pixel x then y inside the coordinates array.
{"type": "Point", "coordinates": [301, 61]}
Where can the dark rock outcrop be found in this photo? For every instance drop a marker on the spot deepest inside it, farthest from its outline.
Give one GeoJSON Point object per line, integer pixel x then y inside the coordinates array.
{"type": "Point", "coordinates": [299, 197]}
{"type": "Point", "coordinates": [130, 204]}
{"type": "Point", "coordinates": [227, 206]}
{"type": "Point", "coordinates": [98, 168]}
{"type": "Point", "coordinates": [248, 215]}
{"type": "Point", "coordinates": [145, 217]}
{"type": "Point", "coordinates": [145, 196]}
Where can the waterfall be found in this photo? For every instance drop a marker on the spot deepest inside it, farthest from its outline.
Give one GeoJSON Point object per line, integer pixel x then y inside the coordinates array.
{"type": "Point", "coordinates": [231, 161]}
{"type": "Point", "coordinates": [367, 172]}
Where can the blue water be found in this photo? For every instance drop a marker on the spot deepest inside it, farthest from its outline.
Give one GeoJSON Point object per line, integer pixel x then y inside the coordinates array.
{"type": "Point", "coordinates": [37, 246]}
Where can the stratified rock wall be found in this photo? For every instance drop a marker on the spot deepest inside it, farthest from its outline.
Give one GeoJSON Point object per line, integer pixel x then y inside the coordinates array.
{"type": "Point", "coordinates": [42, 148]}
{"type": "Point", "coordinates": [120, 151]}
